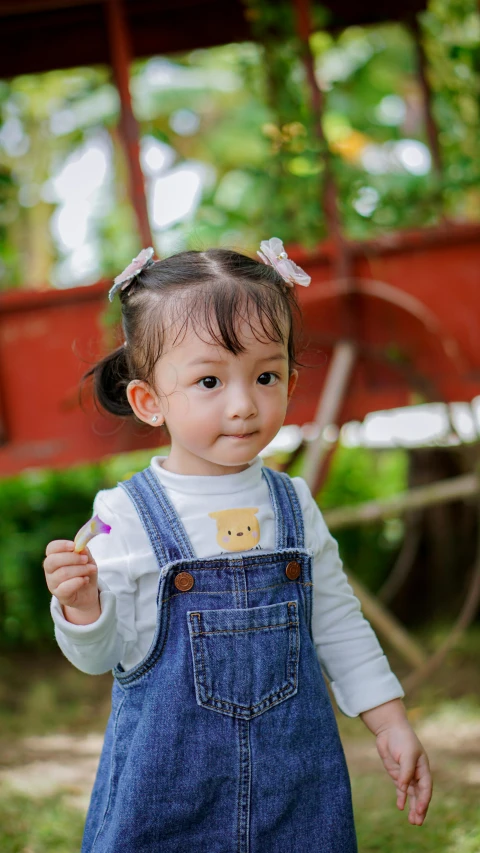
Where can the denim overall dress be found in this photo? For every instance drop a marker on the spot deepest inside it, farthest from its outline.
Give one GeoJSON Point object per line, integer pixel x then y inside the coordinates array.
{"type": "Point", "coordinates": [223, 739]}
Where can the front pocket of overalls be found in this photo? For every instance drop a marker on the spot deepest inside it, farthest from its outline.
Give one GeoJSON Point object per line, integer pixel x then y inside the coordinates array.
{"type": "Point", "coordinates": [245, 661]}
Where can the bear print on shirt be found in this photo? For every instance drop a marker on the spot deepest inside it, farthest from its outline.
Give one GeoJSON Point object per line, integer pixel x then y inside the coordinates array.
{"type": "Point", "coordinates": [237, 529]}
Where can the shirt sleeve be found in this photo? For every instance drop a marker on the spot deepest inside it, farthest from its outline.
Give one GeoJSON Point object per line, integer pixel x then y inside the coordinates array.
{"type": "Point", "coordinates": [100, 646]}
{"type": "Point", "coordinates": [347, 647]}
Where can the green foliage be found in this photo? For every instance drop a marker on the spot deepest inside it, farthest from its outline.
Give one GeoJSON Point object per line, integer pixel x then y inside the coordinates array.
{"type": "Point", "coordinates": [452, 36]}
{"type": "Point", "coordinates": [357, 475]}
{"type": "Point", "coordinates": [35, 508]}
{"type": "Point", "coordinates": [255, 130]}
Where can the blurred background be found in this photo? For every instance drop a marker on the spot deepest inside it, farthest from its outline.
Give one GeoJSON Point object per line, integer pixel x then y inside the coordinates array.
{"type": "Point", "coordinates": [353, 135]}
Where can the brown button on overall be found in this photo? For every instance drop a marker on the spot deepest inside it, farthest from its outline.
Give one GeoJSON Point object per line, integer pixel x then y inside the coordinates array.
{"type": "Point", "coordinates": [293, 570]}
{"type": "Point", "coordinates": [184, 581]}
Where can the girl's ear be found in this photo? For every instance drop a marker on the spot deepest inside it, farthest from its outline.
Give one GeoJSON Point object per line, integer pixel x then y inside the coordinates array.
{"type": "Point", "coordinates": [144, 402]}
{"type": "Point", "coordinates": [292, 382]}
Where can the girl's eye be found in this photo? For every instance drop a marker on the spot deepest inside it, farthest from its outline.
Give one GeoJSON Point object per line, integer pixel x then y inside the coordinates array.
{"type": "Point", "coordinates": [208, 382]}
{"type": "Point", "coordinates": [267, 378]}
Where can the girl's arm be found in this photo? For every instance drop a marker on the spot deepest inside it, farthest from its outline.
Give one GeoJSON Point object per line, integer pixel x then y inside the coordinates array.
{"type": "Point", "coordinates": [346, 645]}
{"type": "Point", "coordinates": [360, 676]}
{"type": "Point", "coordinates": [96, 635]}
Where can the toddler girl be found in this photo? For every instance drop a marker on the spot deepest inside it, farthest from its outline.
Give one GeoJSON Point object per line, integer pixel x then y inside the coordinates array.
{"type": "Point", "coordinates": [219, 593]}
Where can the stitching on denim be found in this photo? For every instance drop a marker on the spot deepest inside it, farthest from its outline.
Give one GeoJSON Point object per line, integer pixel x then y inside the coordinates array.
{"type": "Point", "coordinates": [239, 805]}
{"type": "Point", "coordinates": [246, 712]}
{"type": "Point", "coordinates": [234, 709]}
{"type": "Point", "coordinates": [235, 581]}
{"type": "Point", "coordinates": [248, 563]}
{"type": "Point", "coordinates": [244, 787]}
{"type": "Point", "coordinates": [296, 508]}
{"type": "Point", "coordinates": [200, 677]}
{"type": "Point", "coordinates": [173, 520]}
{"type": "Point", "coordinates": [232, 592]}
{"type": "Point", "coordinates": [295, 646]}
{"type": "Point", "coordinates": [132, 676]}
{"type": "Point", "coordinates": [152, 529]}
{"type": "Point", "coordinates": [110, 780]}
{"type": "Point", "coordinates": [280, 538]}
{"type": "Point", "coordinates": [291, 527]}
{"type": "Point", "coordinates": [172, 516]}
{"type": "Point", "coordinates": [140, 488]}
{"type": "Point", "coordinates": [201, 686]}
{"type": "Point", "coordinates": [242, 587]}
{"type": "Point", "coordinates": [174, 523]}
{"type": "Point", "coordinates": [244, 630]}
{"type": "Point", "coordinates": [139, 503]}
{"type": "Point", "coordinates": [289, 509]}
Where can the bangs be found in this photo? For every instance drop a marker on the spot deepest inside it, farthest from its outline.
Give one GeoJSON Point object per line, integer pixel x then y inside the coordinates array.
{"type": "Point", "coordinates": [221, 311]}
{"type": "Point", "coordinates": [216, 296]}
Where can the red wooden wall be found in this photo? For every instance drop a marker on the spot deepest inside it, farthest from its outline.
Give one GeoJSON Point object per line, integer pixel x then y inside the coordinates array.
{"type": "Point", "coordinates": [414, 313]}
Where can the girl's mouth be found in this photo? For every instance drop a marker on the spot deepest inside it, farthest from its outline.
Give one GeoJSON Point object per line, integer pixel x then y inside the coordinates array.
{"type": "Point", "coordinates": [242, 435]}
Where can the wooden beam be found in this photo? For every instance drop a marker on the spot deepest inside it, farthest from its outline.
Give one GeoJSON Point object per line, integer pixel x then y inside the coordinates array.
{"type": "Point", "coordinates": [454, 489]}
{"type": "Point", "coordinates": [328, 409]}
{"type": "Point", "coordinates": [121, 55]}
{"type": "Point", "coordinates": [330, 202]}
{"type": "Point", "coordinates": [427, 96]}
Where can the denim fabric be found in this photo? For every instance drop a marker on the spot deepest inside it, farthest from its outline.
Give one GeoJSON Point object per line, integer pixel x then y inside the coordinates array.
{"type": "Point", "coordinates": [223, 739]}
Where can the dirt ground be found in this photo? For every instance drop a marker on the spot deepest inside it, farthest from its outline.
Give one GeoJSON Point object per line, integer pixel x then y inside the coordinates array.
{"type": "Point", "coordinates": [40, 766]}
{"type": "Point", "coordinates": [52, 720]}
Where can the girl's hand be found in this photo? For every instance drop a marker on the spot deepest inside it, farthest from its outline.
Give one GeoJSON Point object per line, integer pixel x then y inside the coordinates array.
{"type": "Point", "coordinates": [72, 579]}
{"type": "Point", "coordinates": [405, 760]}
{"type": "Point", "coordinates": [403, 756]}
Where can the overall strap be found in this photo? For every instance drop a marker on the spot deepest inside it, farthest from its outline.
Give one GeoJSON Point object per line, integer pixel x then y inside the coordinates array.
{"type": "Point", "coordinates": [289, 530]}
{"type": "Point", "coordinates": [160, 520]}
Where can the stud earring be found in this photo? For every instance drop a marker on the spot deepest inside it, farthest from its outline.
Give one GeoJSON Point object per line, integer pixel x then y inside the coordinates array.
{"type": "Point", "coordinates": [154, 419]}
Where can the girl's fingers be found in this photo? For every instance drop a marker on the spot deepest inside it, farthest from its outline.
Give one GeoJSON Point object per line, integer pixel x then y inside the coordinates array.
{"type": "Point", "coordinates": [67, 573]}
{"type": "Point", "coordinates": [401, 799]}
{"type": "Point", "coordinates": [414, 816]}
{"type": "Point", "coordinates": [59, 545]}
{"type": "Point", "coordinates": [68, 590]}
{"type": "Point", "coordinates": [412, 810]}
{"type": "Point", "coordinates": [424, 785]}
{"type": "Point", "coordinates": [408, 764]}
{"type": "Point", "coordinates": [420, 792]}
{"type": "Point", "coordinates": [57, 561]}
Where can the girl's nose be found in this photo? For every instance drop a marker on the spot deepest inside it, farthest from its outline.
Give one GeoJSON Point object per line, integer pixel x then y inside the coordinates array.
{"type": "Point", "coordinates": [241, 404]}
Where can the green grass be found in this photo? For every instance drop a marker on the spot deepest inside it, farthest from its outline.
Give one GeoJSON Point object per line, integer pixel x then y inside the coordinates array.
{"type": "Point", "coordinates": [47, 825]}
{"type": "Point", "coordinates": [39, 695]}
{"type": "Point", "coordinates": [51, 825]}
{"type": "Point", "coordinates": [47, 695]}
{"type": "Point", "coordinates": [450, 732]}
{"type": "Point", "coordinates": [452, 824]}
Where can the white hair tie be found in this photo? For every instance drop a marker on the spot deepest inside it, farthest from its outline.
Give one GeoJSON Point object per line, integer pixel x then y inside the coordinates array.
{"type": "Point", "coordinates": [138, 264]}
{"type": "Point", "coordinates": [274, 255]}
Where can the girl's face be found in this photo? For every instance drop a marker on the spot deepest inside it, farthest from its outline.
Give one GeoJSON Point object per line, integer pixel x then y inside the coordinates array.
{"type": "Point", "coordinates": [220, 409]}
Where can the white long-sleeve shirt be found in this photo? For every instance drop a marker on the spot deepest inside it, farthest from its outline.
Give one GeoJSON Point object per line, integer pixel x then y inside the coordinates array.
{"type": "Point", "coordinates": [347, 648]}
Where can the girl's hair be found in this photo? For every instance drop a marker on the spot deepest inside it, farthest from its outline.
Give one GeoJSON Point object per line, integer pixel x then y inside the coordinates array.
{"type": "Point", "coordinates": [207, 291]}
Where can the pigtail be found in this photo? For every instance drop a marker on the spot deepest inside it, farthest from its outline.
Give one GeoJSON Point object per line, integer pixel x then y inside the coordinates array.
{"type": "Point", "coordinates": [110, 377]}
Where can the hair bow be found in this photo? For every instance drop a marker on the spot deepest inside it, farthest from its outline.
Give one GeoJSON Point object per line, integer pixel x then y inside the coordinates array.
{"type": "Point", "coordinates": [274, 255]}
{"type": "Point", "coordinates": [138, 264]}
